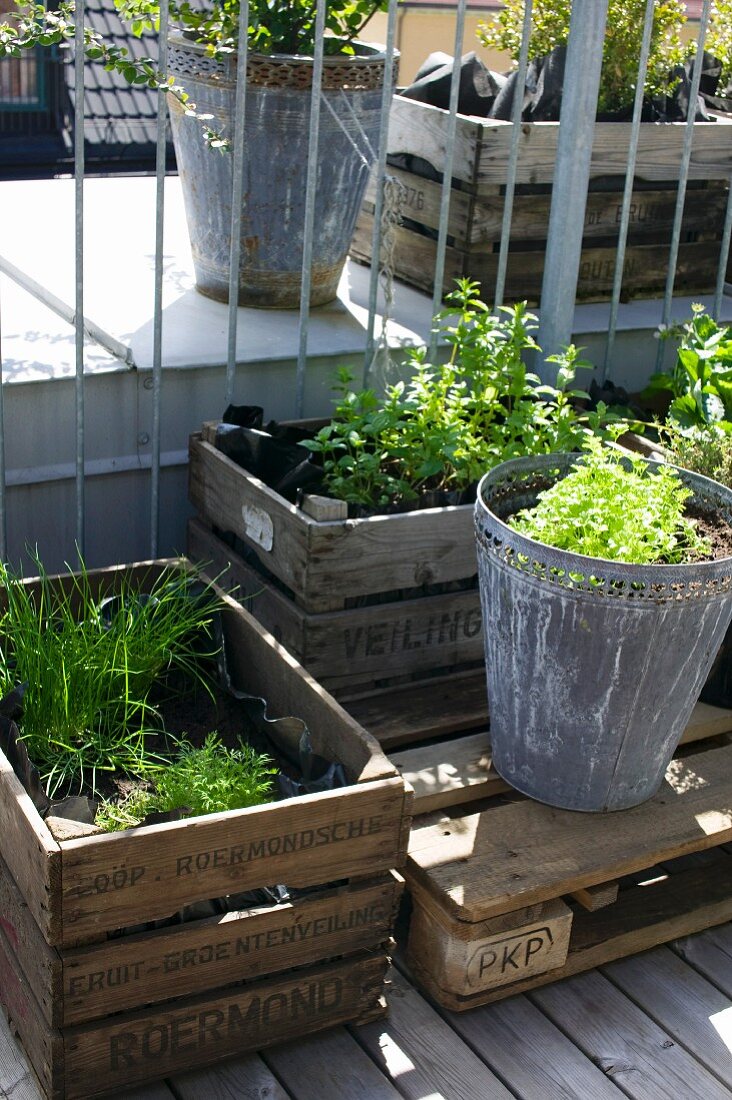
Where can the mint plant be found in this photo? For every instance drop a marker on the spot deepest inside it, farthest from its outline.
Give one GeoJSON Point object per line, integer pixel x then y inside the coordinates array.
{"type": "Point", "coordinates": [611, 506]}
{"type": "Point", "coordinates": [441, 430]}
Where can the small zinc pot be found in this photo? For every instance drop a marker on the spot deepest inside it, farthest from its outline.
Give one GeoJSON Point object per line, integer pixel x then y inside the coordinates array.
{"type": "Point", "coordinates": [277, 120]}
{"type": "Point", "coordinates": [593, 666]}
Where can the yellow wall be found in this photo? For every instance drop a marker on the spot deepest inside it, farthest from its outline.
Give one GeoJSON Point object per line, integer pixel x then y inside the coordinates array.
{"type": "Point", "coordinates": [421, 32]}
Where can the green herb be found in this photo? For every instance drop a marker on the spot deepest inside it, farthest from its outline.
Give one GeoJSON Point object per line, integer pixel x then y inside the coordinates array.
{"type": "Point", "coordinates": [206, 780]}
{"type": "Point", "coordinates": [87, 706]}
{"type": "Point", "coordinates": [705, 451]}
{"type": "Point", "coordinates": [452, 421]}
{"type": "Point", "coordinates": [700, 384]}
{"type": "Point", "coordinates": [611, 506]}
{"type": "Point", "coordinates": [621, 51]}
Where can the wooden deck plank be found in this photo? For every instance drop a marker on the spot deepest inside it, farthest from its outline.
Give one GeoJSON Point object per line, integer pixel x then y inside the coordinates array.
{"type": "Point", "coordinates": [711, 954]}
{"type": "Point", "coordinates": [244, 1079]}
{"type": "Point", "coordinates": [681, 1001]}
{"type": "Point", "coordinates": [620, 1038]}
{"type": "Point", "coordinates": [526, 1049]}
{"type": "Point", "coordinates": [420, 1052]}
{"type": "Point", "coordinates": [331, 1066]}
{"type": "Point", "coordinates": [543, 852]}
{"type": "Point", "coordinates": [417, 711]}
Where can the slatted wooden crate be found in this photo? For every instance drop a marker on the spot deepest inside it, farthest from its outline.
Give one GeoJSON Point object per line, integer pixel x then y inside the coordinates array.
{"type": "Point", "coordinates": [509, 894]}
{"type": "Point", "coordinates": [346, 596]}
{"type": "Point", "coordinates": [98, 1009]}
{"type": "Point", "coordinates": [476, 204]}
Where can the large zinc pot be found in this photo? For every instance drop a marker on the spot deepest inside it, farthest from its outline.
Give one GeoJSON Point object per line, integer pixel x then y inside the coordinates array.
{"type": "Point", "coordinates": [277, 114]}
{"type": "Point", "coordinates": [593, 666]}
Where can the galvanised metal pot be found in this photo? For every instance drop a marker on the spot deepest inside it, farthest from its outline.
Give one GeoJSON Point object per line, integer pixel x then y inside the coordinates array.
{"type": "Point", "coordinates": [277, 113]}
{"type": "Point", "coordinates": [593, 666]}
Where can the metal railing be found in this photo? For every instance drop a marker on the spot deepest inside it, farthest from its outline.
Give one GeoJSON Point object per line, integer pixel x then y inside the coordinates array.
{"type": "Point", "coordinates": [564, 241]}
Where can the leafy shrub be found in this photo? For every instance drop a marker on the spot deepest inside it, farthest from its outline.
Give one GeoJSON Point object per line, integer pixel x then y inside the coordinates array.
{"type": "Point", "coordinates": [705, 451]}
{"type": "Point", "coordinates": [621, 52]}
{"type": "Point", "coordinates": [611, 506]}
{"type": "Point", "coordinates": [451, 422]}
{"type": "Point", "coordinates": [700, 384]}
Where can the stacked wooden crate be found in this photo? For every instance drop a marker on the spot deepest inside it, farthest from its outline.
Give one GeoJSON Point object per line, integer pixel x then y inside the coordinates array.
{"type": "Point", "coordinates": [101, 1005]}
{"type": "Point", "coordinates": [417, 149]}
{"type": "Point", "coordinates": [357, 601]}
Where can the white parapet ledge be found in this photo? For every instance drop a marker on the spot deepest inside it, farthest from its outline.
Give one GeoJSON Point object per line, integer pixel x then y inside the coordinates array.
{"type": "Point", "coordinates": [37, 255]}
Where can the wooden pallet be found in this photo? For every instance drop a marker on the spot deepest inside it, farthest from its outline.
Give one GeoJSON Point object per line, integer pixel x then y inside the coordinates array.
{"type": "Point", "coordinates": [417, 142]}
{"type": "Point", "coordinates": [508, 893]}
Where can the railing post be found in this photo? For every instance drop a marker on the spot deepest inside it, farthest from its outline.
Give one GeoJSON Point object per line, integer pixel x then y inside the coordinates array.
{"type": "Point", "coordinates": [571, 176]}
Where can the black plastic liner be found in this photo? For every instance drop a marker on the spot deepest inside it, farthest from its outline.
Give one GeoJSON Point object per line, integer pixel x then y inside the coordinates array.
{"type": "Point", "coordinates": [491, 95]}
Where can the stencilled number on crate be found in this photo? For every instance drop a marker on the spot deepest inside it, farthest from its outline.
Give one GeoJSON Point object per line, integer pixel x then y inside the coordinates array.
{"type": "Point", "coordinates": [503, 959]}
{"type": "Point", "coordinates": [414, 198]}
{"type": "Point", "coordinates": [381, 639]}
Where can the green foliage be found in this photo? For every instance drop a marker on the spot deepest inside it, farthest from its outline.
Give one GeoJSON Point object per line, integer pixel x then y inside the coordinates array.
{"type": "Point", "coordinates": [610, 506]}
{"type": "Point", "coordinates": [451, 422]}
{"type": "Point", "coordinates": [87, 706]}
{"type": "Point", "coordinates": [700, 385]}
{"type": "Point", "coordinates": [719, 40]}
{"type": "Point", "coordinates": [705, 451]}
{"type": "Point", "coordinates": [207, 780]}
{"type": "Point", "coordinates": [625, 19]}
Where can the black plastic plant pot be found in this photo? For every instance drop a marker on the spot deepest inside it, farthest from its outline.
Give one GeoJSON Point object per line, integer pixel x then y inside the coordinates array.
{"type": "Point", "coordinates": [593, 666]}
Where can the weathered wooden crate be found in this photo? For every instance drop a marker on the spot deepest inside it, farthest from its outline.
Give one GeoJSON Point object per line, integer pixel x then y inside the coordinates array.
{"type": "Point", "coordinates": [98, 1009]}
{"type": "Point", "coordinates": [476, 204]}
{"type": "Point", "coordinates": [509, 894]}
{"type": "Point", "coordinates": [346, 596]}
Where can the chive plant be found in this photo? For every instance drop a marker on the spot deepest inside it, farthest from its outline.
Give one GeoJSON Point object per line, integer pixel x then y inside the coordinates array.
{"type": "Point", "coordinates": [90, 670]}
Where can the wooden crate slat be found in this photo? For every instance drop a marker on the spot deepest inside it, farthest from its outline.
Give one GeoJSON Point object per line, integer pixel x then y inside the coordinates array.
{"type": "Point", "coordinates": [641, 918]}
{"type": "Point", "coordinates": [492, 862]}
{"type": "Point", "coordinates": [238, 946]}
{"type": "Point", "coordinates": [124, 1050]}
{"type": "Point", "coordinates": [40, 963]}
{"type": "Point", "coordinates": [33, 856]}
{"type": "Point", "coordinates": [323, 563]}
{"type": "Point", "coordinates": [363, 644]}
{"type": "Point", "coordinates": [303, 841]}
{"type": "Point", "coordinates": [414, 712]}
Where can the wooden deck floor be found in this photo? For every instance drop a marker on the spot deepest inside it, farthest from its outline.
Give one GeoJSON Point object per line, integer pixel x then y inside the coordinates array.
{"type": "Point", "coordinates": [652, 1027]}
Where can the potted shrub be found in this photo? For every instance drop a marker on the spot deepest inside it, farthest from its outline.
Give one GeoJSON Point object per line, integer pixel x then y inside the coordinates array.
{"type": "Point", "coordinates": [372, 574]}
{"type": "Point", "coordinates": [202, 85]}
{"type": "Point", "coordinates": [417, 136]}
{"type": "Point", "coordinates": [585, 562]}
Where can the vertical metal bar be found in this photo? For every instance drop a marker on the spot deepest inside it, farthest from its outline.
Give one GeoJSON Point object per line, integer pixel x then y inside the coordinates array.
{"type": "Point", "coordinates": [310, 190]}
{"type": "Point", "coordinates": [723, 256]}
{"type": "Point", "coordinates": [79, 265]}
{"type": "Point", "coordinates": [447, 171]}
{"type": "Point", "coordinates": [158, 292]}
{"type": "Point", "coordinates": [516, 111]}
{"type": "Point", "coordinates": [237, 193]}
{"type": "Point", "coordinates": [683, 176]}
{"type": "Point", "coordinates": [3, 502]}
{"type": "Point", "coordinates": [628, 190]}
{"type": "Point", "coordinates": [387, 95]}
{"type": "Point", "coordinates": [571, 177]}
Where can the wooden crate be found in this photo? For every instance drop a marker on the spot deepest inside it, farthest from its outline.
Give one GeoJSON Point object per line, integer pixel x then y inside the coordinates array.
{"type": "Point", "coordinates": [509, 894]}
{"type": "Point", "coordinates": [98, 1009]}
{"type": "Point", "coordinates": [346, 596]}
{"type": "Point", "coordinates": [476, 204]}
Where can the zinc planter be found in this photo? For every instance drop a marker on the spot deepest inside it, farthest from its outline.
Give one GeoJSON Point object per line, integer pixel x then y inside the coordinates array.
{"type": "Point", "coordinates": [593, 666]}
{"type": "Point", "coordinates": [276, 155]}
